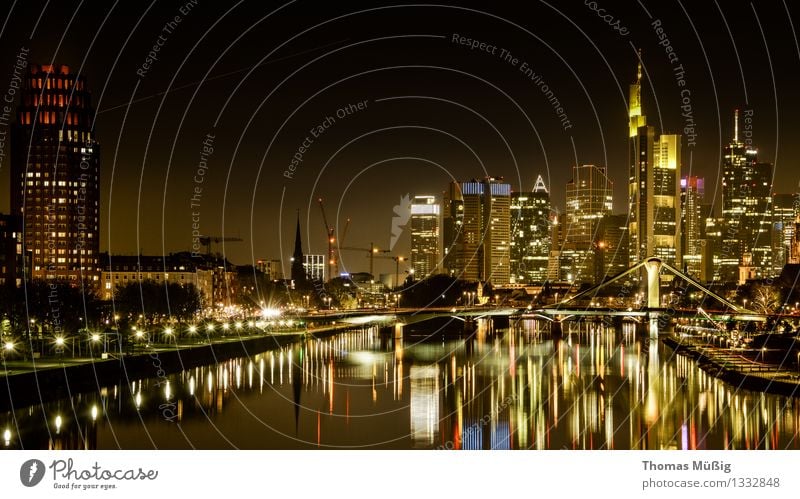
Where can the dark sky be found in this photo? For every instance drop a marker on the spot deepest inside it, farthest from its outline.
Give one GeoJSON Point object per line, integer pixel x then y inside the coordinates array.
{"type": "Point", "coordinates": [260, 75]}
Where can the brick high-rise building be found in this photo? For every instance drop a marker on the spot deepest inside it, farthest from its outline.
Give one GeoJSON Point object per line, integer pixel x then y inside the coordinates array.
{"type": "Point", "coordinates": [55, 175]}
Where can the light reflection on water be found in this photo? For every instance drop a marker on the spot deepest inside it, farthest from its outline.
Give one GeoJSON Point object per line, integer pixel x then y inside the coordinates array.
{"type": "Point", "coordinates": [595, 388]}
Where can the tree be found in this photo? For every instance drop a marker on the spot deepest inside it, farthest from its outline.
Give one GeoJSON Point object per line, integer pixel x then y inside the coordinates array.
{"type": "Point", "coordinates": [156, 301]}
{"type": "Point", "coordinates": [765, 298]}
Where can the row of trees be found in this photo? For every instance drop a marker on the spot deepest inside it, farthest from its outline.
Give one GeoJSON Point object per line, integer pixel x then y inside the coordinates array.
{"type": "Point", "coordinates": [47, 306]}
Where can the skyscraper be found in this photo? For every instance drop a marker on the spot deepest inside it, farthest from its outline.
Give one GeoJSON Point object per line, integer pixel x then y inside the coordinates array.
{"type": "Point", "coordinates": [477, 227]}
{"type": "Point", "coordinates": [530, 234]}
{"type": "Point", "coordinates": [746, 201]}
{"type": "Point", "coordinates": [589, 199]}
{"type": "Point", "coordinates": [425, 213]}
{"type": "Point", "coordinates": [612, 245]}
{"type": "Point", "coordinates": [692, 223]}
{"type": "Point", "coordinates": [55, 172]}
{"type": "Point", "coordinates": [653, 186]}
{"type": "Point", "coordinates": [784, 214]}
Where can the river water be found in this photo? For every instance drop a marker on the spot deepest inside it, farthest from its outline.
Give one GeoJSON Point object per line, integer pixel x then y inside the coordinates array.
{"type": "Point", "coordinates": [517, 388]}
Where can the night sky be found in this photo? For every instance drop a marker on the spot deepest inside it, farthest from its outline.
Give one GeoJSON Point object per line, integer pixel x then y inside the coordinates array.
{"type": "Point", "coordinates": [259, 76]}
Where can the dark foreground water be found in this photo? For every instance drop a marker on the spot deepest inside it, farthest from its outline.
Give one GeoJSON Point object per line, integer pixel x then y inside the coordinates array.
{"type": "Point", "coordinates": [596, 388]}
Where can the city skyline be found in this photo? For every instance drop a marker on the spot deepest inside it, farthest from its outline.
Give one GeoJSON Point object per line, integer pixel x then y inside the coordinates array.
{"type": "Point", "coordinates": [163, 215]}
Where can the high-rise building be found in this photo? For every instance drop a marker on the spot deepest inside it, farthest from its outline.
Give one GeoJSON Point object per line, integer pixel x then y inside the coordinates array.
{"type": "Point", "coordinates": [425, 212]}
{"type": "Point", "coordinates": [530, 234]}
{"type": "Point", "coordinates": [55, 175]}
{"type": "Point", "coordinates": [653, 186]}
{"type": "Point", "coordinates": [785, 209]}
{"type": "Point", "coordinates": [746, 201]}
{"type": "Point", "coordinates": [314, 267]}
{"type": "Point", "coordinates": [589, 199]}
{"type": "Point", "coordinates": [12, 260]}
{"type": "Point", "coordinates": [477, 226]}
{"type": "Point", "coordinates": [692, 223]}
{"type": "Point", "coordinates": [612, 246]}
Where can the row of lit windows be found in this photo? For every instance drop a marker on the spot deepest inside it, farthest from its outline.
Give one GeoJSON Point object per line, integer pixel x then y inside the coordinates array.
{"type": "Point", "coordinates": [38, 235]}
{"type": "Point", "coordinates": [62, 252]}
{"type": "Point", "coordinates": [55, 82]}
{"type": "Point", "coordinates": [54, 99]}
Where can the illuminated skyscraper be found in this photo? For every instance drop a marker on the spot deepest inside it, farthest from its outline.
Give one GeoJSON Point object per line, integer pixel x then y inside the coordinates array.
{"type": "Point", "coordinates": [612, 245]}
{"type": "Point", "coordinates": [784, 216]}
{"type": "Point", "coordinates": [692, 222]}
{"type": "Point", "coordinates": [746, 201]}
{"type": "Point", "coordinates": [653, 187]}
{"type": "Point", "coordinates": [424, 235]}
{"type": "Point", "coordinates": [55, 175]}
{"type": "Point", "coordinates": [589, 199]}
{"type": "Point", "coordinates": [530, 234]}
{"type": "Point", "coordinates": [477, 226]}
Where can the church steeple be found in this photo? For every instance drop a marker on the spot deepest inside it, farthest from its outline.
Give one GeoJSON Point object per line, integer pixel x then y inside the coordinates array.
{"type": "Point", "coordinates": [298, 271]}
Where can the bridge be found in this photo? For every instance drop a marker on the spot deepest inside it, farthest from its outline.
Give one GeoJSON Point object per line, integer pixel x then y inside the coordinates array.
{"type": "Point", "coordinates": [653, 266]}
{"type": "Point", "coordinates": [568, 308]}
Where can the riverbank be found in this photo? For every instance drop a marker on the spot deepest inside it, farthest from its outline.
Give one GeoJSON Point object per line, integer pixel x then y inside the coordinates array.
{"type": "Point", "coordinates": [26, 383]}
{"type": "Point", "coordinates": [737, 370]}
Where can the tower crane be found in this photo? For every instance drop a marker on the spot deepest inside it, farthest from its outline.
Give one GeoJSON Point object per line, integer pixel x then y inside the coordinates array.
{"type": "Point", "coordinates": [372, 253]}
{"type": "Point", "coordinates": [207, 240]}
{"type": "Point", "coordinates": [330, 233]}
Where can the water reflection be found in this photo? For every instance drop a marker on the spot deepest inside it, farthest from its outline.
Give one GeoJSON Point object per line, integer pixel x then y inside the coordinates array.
{"type": "Point", "coordinates": [593, 387]}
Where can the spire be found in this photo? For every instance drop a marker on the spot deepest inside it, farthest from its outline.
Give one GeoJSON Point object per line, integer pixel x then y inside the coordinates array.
{"type": "Point", "coordinates": [736, 125]}
{"type": "Point", "coordinates": [298, 271]}
{"type": "Point", "coordinates": [639, 67]}
{"type": "Point", "coordinates": [539, 186]}
{"type": "Point", "coordinates": [636, 117]}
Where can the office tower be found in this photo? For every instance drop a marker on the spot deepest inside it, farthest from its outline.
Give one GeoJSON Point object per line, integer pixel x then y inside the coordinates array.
{"type": "Point", "coordinates": [314, 267]}
{"type": "Point", "coordinates": [692, 223]}
{"type": "Point", "coordinates": [425, 213]}
{"type": "Point", "coordinates": [555, 270]}
{"type": "Point", "coordinates": [530, 234]}
{"type": "Point", "coordinates": [299, 271]}
{"type": "Point", "coordinates": [653, 187]}
{"type": "Point", "coordinates": [746, 200]}
{"type": "Point", "coordinates": [452, 224]}
{"type": "Point", "coordinates": [12, 262]}
{"type": "Point", "coordinates": [784, 214]}
{"type": "Point", "coordinates": [477, 223]}
{"type": "Point", "coordinates": [612, 246]}
{"type": "Point", "coordinates": [589, 199]}
{"type": "Point", "coordinates": [55, 175]}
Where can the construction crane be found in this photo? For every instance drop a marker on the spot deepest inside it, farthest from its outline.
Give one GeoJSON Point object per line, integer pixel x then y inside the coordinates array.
{"type": "Point", "coordinates": [330, 233]}
{"type": "Point", "coordinates": [207, 240]}
{"type": "Point", "coordinates": [372, 253]}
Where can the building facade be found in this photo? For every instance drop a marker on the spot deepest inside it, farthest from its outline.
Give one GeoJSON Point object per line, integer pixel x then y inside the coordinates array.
{"type": "Point", "coordinates": [425, 213]}
{"type": "Point", "coordinates": [55, 175]}
{"type": "Point", "coordinates": [121, 270]}
{"type": "Point", "coordinates": [653, 187]}
{"type": "Point", "coordinates": [589, 199]}
{"type": "Point", "coordinates": [746, 206]}
{"type": "Point", "coordinates": [477, 225]}
{"type": "Point", "coordinates": [530, 234]}
{"type": "Point", "coordinates": [314, 267]}
{"type": "Point", "coordinates": [692, 223]}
